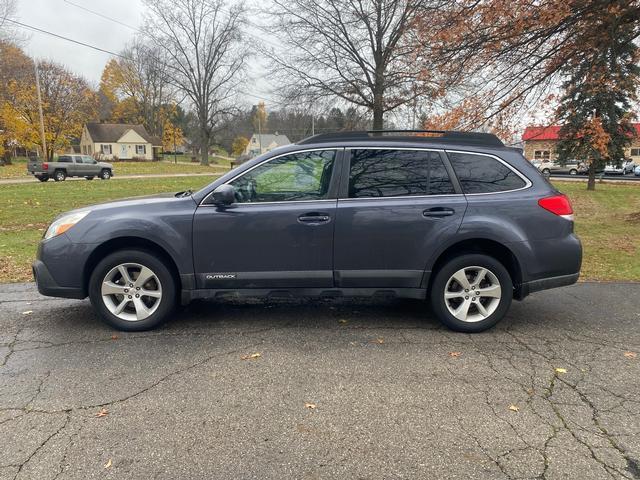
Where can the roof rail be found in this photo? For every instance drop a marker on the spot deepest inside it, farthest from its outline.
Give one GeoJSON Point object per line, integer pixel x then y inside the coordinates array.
{"type": "Point", "coordinates": [434, 136]}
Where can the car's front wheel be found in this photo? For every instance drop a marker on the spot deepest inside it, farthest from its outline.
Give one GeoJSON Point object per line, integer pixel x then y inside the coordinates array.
{"type": "Point", "coordinates": [105, 174]}
{"type": "Point", "coordinates": [133, 290]}
{"type": "Point", "coordinates": [471, 293]}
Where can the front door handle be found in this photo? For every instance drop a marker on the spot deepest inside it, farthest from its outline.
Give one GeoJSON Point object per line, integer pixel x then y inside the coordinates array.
{"type": "Point", "coordinates": [438, 212]}
{"type": "Point", "coordinates": [314, 217]}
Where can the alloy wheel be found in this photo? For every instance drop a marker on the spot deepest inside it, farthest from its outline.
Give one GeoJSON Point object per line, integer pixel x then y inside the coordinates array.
{"type": "Point", "coordinates": [131, 291]}
{"type": "Point", "coordinates": [472, 294]}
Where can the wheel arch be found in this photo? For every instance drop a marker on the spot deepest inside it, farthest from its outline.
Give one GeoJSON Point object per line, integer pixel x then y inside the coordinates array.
{"type": "Point", "coordinates": [124, 243]}
{"type": "Point", "coordinates": [484, 246]}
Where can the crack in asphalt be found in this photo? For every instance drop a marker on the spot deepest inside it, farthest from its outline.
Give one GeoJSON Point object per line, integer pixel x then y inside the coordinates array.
{"type": "Point", "coordinates": [42, 445]}
{"type": "Point", "coordinates": [11, 346]}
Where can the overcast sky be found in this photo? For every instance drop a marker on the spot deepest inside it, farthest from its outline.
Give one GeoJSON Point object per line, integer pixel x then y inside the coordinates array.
{"type": "Point", "coordinates": [65, 19]}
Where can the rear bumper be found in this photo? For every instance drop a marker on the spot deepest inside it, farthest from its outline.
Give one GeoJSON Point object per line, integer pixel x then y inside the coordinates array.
{"type": "Point", "coordinates": [49, 287]}
{"type": "Point", "coordinates": [546, 284]}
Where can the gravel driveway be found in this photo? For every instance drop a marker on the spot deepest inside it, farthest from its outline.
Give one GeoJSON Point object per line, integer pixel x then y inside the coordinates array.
{"type": "Point", "coordinates": [324, 389]}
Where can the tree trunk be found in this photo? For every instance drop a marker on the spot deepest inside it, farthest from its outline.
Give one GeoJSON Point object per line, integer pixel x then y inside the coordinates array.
{"type": "Point", "coordinates": [591, 182]}
{"type": "Point", "coordinates": [378, 112]}
{"type": "Point", "coordinates": [204, 148]}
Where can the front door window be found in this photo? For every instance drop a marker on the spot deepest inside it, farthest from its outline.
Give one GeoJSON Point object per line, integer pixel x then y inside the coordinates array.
{"type": "Point", "coordinates": [299, 176]}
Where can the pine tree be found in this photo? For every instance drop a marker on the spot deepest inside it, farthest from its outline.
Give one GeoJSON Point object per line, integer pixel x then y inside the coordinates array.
{"type": "Point", "coordinates": [601, 86]}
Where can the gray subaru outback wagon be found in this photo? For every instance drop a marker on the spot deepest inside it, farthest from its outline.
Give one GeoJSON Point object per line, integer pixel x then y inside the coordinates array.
{"type": "Point", "coordinates": [454, 218]}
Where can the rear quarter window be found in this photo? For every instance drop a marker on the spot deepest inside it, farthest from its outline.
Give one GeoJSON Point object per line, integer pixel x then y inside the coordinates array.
{"type": "Point", "coordinates": [483, 174]}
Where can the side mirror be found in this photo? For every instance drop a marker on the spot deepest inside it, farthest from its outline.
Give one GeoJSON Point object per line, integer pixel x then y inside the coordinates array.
{"type": "Point", "coordinates": [223, 195]}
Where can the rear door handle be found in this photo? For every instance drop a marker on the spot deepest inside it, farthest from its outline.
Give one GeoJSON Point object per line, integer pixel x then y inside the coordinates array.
{"type": "Point", "coordinates": [438, 212]}
{"type": "Point", "coordinates": [314, 217]}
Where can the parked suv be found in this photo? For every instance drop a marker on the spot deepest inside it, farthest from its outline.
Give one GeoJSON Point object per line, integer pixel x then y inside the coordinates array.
{"type": "Point", "coordinates": [460, 220]}
{"type": "Point", "coordinates": [70, 166]}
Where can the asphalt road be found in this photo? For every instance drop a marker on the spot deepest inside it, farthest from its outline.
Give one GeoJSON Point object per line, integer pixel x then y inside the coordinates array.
{"type": "Point", "coordinates": [392, 398]}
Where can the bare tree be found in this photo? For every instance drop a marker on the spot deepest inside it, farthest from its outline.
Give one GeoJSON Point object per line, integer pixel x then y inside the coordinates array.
{"type": "Point", "coordinates": [356, 50]}
{"type": "Point", "coordinates": [141, 76]}
{"type": "Point", "coordinates": [205, 56]}
{"type": "Point", "coordinates": [8, 9]}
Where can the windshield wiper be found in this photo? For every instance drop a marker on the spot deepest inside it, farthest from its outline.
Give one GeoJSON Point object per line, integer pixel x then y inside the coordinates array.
{"type": "Point", "coordinates": [186, 193]}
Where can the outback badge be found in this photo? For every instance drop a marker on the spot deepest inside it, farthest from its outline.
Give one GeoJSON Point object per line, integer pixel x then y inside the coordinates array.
{"type": "Point", "coordinates": [221, 276]}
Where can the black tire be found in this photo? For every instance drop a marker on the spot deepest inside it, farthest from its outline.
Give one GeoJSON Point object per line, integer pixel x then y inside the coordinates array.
{"type": "Point", "coordinates": [573, 171]}
{"type": "Point", "coordinates": [105, 174]}
{"type": "Point", "coordinates": [59, 175]}
{"type": "Point", "coordinates": [89, 178]}
{"type": "Point", "coordinates": [43, 178]}
{"type": "Point", "coordinates": [167, 301]}
{"type": "Point", "coordinates": [546, 172]}
{"type": "Point", "coordinates": [440, 285]}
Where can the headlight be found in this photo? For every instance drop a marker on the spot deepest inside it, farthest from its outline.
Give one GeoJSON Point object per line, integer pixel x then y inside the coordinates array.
{"type": "Point", "coordinates": [64, 223]}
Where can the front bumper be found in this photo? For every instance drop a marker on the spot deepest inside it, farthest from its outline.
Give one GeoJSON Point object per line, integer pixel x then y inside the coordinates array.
{"type": "Point", "coordinates": [49, 287]}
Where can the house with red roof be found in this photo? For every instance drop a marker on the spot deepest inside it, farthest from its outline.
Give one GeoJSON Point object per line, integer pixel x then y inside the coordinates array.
{"type": "Point", "coordinates": [540, 143]}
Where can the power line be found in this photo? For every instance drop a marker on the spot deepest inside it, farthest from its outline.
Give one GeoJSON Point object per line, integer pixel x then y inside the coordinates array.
{"type": "Point", "coordinates": [31, 27]}
{"type": "Point", "coordinates": [102, 15]}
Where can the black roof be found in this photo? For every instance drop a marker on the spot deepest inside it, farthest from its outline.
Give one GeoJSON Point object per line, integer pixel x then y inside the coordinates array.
{"type": "Point", "coordinates": [426, 136]}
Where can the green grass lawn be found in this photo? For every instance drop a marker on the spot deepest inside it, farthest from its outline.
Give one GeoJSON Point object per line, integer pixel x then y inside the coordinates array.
{"type": "Point", "coordinates": [607, 220]}
{"type": "Point", "coordinates": [608, 223]}
{"type": "Point", "coordinates": [19, 168]}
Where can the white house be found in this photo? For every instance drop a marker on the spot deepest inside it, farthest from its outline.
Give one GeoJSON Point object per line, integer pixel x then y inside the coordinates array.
{"type": "Point", "coordinates": [117, 140]}
{"type": "Point", "coordinates": [262, 143]}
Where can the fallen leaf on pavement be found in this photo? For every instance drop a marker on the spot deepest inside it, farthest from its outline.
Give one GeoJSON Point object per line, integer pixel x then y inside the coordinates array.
{"type": "Point", "coordinates": [108, 464]}
{"type": "Point", "coordinates": [514, 408]}
{"type": "Point", "coordinates": [251, 357]}
{"type": "Point", "coordinates": [630, 354]}
{"type": "Point", "coordinates": [114, 337]}
{"type": "Point", "coordinates": [102, 413]}
{"type": "Point", "coordinates": [343, 321]}
{"type": "Point", "coordinates": [561, 370]}
{"type": "Point", "coordinates": [378, 340]}
{"type": "Point", "coordinates": [28, 312]}
{"type": "Point", "coordinates": [310, 406]}
{"type": "Point", "coordinates": [455, 354]}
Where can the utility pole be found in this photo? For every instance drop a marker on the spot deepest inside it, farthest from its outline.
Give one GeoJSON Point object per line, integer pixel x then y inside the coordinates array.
{"type": "Point", "coordinates": [42, 136]}
{"type": "Point", "coordinates": [260, 132]}
{"type": "Point", "coordinates": [175, 154]}
{"type": "Point", "coordinates": [313, 124]}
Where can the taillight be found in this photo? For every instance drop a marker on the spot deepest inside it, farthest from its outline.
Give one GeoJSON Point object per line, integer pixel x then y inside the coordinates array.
{"type": "Point", "coordinates": [45, 166]}
{"type": "Point", "coordinates": [557, 204]}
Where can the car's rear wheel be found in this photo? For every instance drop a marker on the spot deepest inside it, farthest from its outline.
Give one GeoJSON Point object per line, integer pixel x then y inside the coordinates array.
{"type": "Point", "coordinates": [133, 290]}
{"type": "Point", "coordinates": [573, 171]}
{"type": "Point", "coordinates": [471, 293]}
{"type": "Point", "coordinates": [546, 172]}
{"type": "Point", "coordinates": [60, 175]}
{"type": "Point", "coordinates": [105, 174]}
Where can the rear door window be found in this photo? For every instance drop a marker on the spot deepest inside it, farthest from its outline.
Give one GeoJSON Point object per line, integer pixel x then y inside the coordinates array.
{"type": "Point", "coordinates": [397, 173]}
{"type": "Point", "coordinates": [483, 174]}
{"type": "Point", "coordinates": [65, 159]}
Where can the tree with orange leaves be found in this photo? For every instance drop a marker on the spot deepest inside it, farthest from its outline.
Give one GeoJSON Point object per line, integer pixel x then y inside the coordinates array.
{"type": "Point", "coordinates": [505, 57]}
